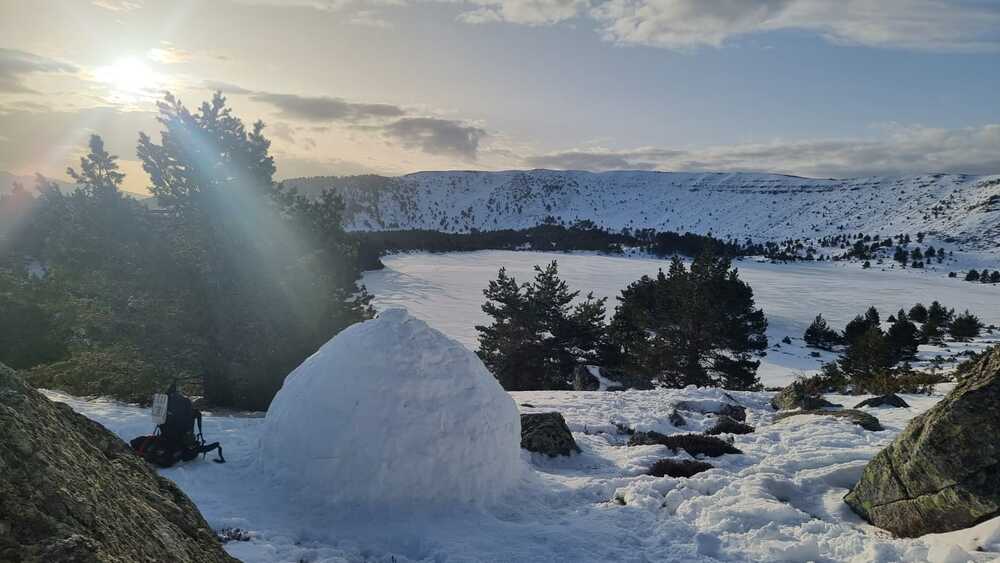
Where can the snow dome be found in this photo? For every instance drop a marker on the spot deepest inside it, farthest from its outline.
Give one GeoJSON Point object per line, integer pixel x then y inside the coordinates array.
{"type": "Point", "coordinates": [391, 411]}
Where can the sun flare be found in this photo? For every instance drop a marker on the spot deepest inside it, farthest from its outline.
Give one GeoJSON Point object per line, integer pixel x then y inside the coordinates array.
{"type": "Point", "coordinates": [130, 78]}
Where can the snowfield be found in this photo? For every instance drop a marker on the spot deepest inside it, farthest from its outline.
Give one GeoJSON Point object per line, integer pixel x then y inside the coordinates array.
{"type": "Point", "coordinates": [446, 291]}
{"type": "Point", "coordinates": [779, 501]}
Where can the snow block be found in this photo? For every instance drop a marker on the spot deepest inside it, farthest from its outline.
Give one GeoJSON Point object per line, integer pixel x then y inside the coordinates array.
{"type": "Point", "coordinates": [392, 412]}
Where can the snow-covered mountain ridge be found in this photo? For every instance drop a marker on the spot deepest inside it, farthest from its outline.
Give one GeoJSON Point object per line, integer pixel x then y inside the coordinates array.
{"type": "Point", "coordinates": [961, 208]}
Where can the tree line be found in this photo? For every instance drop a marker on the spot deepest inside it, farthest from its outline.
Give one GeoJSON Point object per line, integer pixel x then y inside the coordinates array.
{"type": "Point", "coordinates": [228, 285]}
{"type": "Point", "coordinates": [689, 325]}
{"type": "Point", "coordinates": [873, 359]}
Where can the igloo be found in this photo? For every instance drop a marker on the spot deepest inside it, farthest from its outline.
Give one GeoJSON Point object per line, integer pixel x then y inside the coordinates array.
{"type": "Point", "coordinates": [390, 412]}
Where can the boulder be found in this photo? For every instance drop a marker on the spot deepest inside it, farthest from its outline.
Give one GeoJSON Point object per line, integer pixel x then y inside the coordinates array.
{"type": "Point", "coordinates": [861, 418]}
{"type": "Point", "coordinates": [799, 396]}
{"type": "Point", "coordinates": [70, 490]}
{"type": "Point", "coordinates": [940, 474]}
{"type": "Point", "coordinates": [676, 419]}
{"type": "Point", "coordinates": [693, 444]}
{"type": "Point", "coordinates": [678, 468]}
{"type": "Point", "coordinates": [708, 406]}
{"type": "Point", "coordinates": [547, 433]}
{"type": "Point", "coordinates": [726, 425]}
{"type": "Point", "coordinates": [890, 400]}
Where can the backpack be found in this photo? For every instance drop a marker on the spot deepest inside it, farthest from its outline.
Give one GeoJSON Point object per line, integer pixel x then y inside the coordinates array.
{"type": "Point", "coordinates": [175, 439]}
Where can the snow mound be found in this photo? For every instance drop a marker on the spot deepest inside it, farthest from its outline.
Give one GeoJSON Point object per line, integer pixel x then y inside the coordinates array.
{"type": "Point", "coordinates": [391, 412]}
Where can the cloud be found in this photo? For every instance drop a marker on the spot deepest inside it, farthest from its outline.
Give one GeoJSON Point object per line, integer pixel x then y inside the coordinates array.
{"type": "Point", "coordinates": [927, 25]}
{"type": "Point", "coordinates": [16, 64]}
{"type": "Point", "coordinates": [901, 150]}
{"type": "Point", "coordinates": [323, 108]}
{"type": "Point", "coordinates": [436, 136]}
{"type": "Point", "coordinates": [528, 12]}
{"type": "Point", "coordinates": [225, 87]}
{"type": "Point", "coordinates": [118, 5]}
{"type": "Point", "coordinates": [169, 55]}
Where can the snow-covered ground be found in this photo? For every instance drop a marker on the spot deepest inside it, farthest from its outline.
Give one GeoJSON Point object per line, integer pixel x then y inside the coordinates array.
{"type": "Point", "coordinates": [446, 291]}
{"type": "Point", "coordinates": [779, 501]}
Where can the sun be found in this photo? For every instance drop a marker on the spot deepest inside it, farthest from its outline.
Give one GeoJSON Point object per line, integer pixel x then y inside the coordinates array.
{"type": "Point", "coordinates": [129, 78]}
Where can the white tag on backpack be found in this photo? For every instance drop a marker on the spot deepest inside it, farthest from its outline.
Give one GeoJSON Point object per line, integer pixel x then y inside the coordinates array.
{"type": "Point", "coordinates": [159, 408]}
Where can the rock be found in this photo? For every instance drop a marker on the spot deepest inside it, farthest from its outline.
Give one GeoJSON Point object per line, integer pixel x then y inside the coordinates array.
{"type": "Point", "coordinates": [547, 433]}
{"type": "Point", "coordinates": [678, 468]}
{"type": "Point", "coordinates": [726, 425]}
{"type": "Point", "coordinates": [940, 474]}
{"type": "Point", "coordinates": [676, 419]}
{"type": "Point", "coordinates": [798, 396]}
{"type": "Point", "coordinates": [861, 418]}
{"type": "Point", "coordinates": [708, 406]}
{"type": "Point", "coordinates": [890, 400]}
{"type": "Point", "coordinates": [694, 444]}
{"type": "Point", "coordinates": [584, 379]}
{"type": "Point", "coordinates": [70, 490]}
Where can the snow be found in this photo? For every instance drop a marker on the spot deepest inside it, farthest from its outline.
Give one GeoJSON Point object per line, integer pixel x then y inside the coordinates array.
{"type": "Point", "coordinates": [392, 414]}
{"type": "Point", "coordinates": [445, 289]}
{"type": "Point", "coordinates": [779, 501]}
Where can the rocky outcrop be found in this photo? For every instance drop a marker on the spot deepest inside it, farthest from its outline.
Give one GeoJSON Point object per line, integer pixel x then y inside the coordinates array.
{"type": "Point", "coordinates": [890, 400]}
{"type": "Point", "coordinates": [707, 406]}
{"type": "Point", "coordinates": [799, 396]}
{"type": "Point", "coordinates": [678, 468]}
{"type": "Point", "coordinates": [862, 419]}
{"type": "Point", "coordinates": [584, 379]}
{"type": "Point", "coordinates": [726, 425]}
{"type": "Point", "coordinates": [693, 444]}
{"type": "Point", "coordinates": [70, 490]}
{"type": "Point", "coordinates": [547, 433]}
{"type": "Point", "coordinates": [940, 474]}
{"type": "Point", "coordinates": [677, 419]}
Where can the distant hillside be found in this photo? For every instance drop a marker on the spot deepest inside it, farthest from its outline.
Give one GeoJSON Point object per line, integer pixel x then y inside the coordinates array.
{"type": "Point", "coordinates": [960, 209]}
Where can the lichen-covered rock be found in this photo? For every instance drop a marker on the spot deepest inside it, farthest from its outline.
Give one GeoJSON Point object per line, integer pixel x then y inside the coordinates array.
{"type": "Point", "coordinates": [799, 396]}
{"type": "Point", "coordinates": [726, 425]}
{"type": "Point", "coordinates": [941, 473]}
{"type": "Point", "coordinates": [890, 400]}
{"type": "Point", "coordinates": [70, 490]}
{"type": "Point", "coordinates": [678, 468]}
{"type": "Point", "coordinates": [862, 419]}
{"type": "Point", "coordinates": [694, 444]}
{"type": "Point", "coordinates": [547, 433]}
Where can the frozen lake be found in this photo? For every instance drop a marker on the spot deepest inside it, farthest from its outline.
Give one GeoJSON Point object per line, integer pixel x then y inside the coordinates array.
{"type": "Point", "coordinates": [446, 291]}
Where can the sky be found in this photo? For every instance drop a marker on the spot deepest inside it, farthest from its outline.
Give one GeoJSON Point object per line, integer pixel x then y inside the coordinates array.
{"type": "Point", "coordinates": [822, 88]}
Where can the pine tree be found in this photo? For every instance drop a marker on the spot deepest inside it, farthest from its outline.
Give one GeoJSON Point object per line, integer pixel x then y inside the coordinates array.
{"type": "Point", "coordinates": [855, 328]}
{"type": "Point", "coordinates": [965, 326]}
{"type": "Point", "coordinates": [510, 346]}
{"type": "Point", "coordinates": [872, 317]}
{"type": "Point", "coordinates": [866, 356]}
{"type": "Point", "coordinates": [538, 336]}
{"type": "Point", "coordinates": [696, 326]}
{"type": "Point", "coordinates": [820, 335]}
{"type": "Point", "coordinates": [973, 275]}
{"type": "Point", "coordinates": [918, 313]}
{"type": "Point", "coordinates": [902, 340]}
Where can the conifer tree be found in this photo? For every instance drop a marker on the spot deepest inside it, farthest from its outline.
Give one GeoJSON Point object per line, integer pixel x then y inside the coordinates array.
{"type": "Point", "coordinates": [820, 335]}
{"type": "Point", "coordinates": [918, 313]}
{"type": "Point", "coordinates": [696, 326]}
{"type": "Point", "coordinates": [965, 326]}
